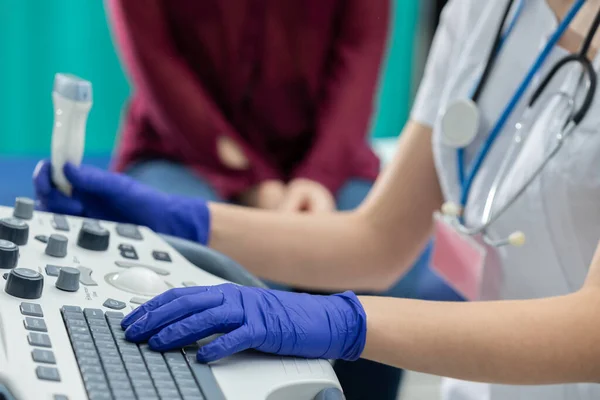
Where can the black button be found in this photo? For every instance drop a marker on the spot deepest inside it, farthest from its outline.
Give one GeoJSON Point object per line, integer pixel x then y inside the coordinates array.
{"type": "Point", "coordinates": [31, 309]}
{"type": "Point", "coordinates": [71, 309]}
{"type": "Point", "coordinates": [14, 230]}
{"type": "Point", "coordinates": [132, 255]}
{"type": "Point", "coordinates": [24, 283]}
{"type": "Point", "coordinates": [47, 374]}
{"type": "Point", "coordinates": [161, 256]}
{"type": "Point", "coordinates": [43, 356]}
{"type": "Point", "coordinates": [129, 231]}
{"type": "Point", "coordinates": [52, 270]}
{"type": "Point", "coordinates": [60, 223]}
{"type": "Point", "coordinates": [126, 247]}
{"type": "Point", "coordinates": [9, 254]}
{"type": "Point", "coordinates": [42, 238]}
{"type": "Point", "coordinates": [60, 397]}
{"type": "Point", "coordinates": [93, 237]}
{"type": "Point", "coordinates": [35, 324]}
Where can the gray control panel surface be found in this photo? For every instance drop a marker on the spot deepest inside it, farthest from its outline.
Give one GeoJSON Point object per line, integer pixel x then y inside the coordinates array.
{"type": "Point", "coordinates": [62, 298]}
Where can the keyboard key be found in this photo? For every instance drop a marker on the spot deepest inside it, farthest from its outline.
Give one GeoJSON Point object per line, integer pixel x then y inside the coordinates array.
{"type": "Point", "coordinates": [89, 361]}
{"type": "Point", "coordinates": [114, 314]}
{"type": "Point", "coordinates": [86, 353]}
{"type": "Point", "coordinates": [168, 393]}
{"type": "Point", "coordinates": [43, 356]}
{"type": "Point", "coordinates": [35, 324]}
{"type": "Point", "coordinates": [47, 374]}
{"type": "Point", "coordinates": [93, 313]}
{"type": "Point", "coordinates": [99, 395]}
{"type": "Point", "coordinates": [87, 369]}
{"type": "Point", "coordinates": [112, 361]}
{"type": "Point", "coordinates": [114, 376]}
{"type": "Point", "coordinates": [124, 395]}
{"type": "Point", "coordinates": [31, 309]}
{"type": "Point", "coordinates": [79, 329]}
{"type": "Point", "coordinates": [97, 322]}
{"type": "Point", "coordinates": [73, 315]}
{"type": "Point", "coordinates": [94, 378]}
{"type": "Point", "coordinates": [39, 339]}
{"type": "Point", "coordinates": [96, 386]}
{"type": "Point", "coordinates": [102, 336]}
{"type": "Point", "coordinates": [120, 384]}
{"type": "Point", "coordinates": [145, 393]}
{"type": "Point", "coordinates": [84, 346]}
{"type": "Point", "coordinates": [76, 322]}
{"type": "Point", "coordinates": [71, 309]}
{"type": "Point", "coordinates": [100, 329]}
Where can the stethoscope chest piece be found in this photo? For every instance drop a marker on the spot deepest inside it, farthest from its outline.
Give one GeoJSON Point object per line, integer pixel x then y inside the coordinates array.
{"type": "Point", "coordinates": [460, 123]}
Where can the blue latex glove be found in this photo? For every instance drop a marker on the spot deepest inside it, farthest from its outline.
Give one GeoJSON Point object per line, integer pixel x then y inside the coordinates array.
{"type": "Point", "coordinates": [104, 195]}
{"type": "Point", "coordinates": [270, 321]}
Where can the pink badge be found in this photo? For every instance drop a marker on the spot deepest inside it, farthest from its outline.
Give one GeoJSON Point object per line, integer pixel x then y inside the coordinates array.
{"type": "Point", "coordinates": [458, 259]}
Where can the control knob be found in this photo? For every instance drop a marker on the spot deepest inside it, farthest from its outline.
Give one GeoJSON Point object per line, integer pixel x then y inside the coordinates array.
{"type": "Point", "coordinates": [68, 279]}
{"type": "Point", "coordinates": [94, 237]}
{"type": "Point", "coordinates": [9, 254]}
{"type": "Point", "coordinates": [57, 245]}
{"type": "Point", "coordinates": [14, 230]}
{"type": "Point", "coordinates": [23, 208]}
{"type": "Point", "coordinates": [24, 283]}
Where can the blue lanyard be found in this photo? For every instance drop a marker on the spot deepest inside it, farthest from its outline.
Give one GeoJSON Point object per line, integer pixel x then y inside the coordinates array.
{"type": "Point", "coordinates": [467, 182]}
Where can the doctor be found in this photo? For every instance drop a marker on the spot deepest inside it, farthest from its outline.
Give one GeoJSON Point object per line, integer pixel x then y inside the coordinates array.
{"type": "Point", "coordinates": [504, 163]}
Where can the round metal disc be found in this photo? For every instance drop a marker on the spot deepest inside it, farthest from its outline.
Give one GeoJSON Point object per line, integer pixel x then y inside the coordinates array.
{"type": "Point", "coordinates": [460, 123]}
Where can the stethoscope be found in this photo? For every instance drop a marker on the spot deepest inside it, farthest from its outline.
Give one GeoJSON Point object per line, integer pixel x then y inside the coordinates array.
{"type": "Point", "coordinates": [460, 122]}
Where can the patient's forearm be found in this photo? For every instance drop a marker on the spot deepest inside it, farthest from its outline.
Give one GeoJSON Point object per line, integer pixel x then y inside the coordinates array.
{"type": "Point", "coordinates": [326, 252]}
{"type": "Point", "coordinates": [513, 342]}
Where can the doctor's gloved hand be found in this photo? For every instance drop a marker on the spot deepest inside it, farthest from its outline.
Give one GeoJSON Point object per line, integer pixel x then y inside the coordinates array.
{"type": "Point", "coordinates": [270, 321]}
{"type": "Point", "coordinates": [100, 194]}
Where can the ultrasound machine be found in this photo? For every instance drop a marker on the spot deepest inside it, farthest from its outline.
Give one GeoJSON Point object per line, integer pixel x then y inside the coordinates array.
{"type": "Point", "coordinates": [67, 282]}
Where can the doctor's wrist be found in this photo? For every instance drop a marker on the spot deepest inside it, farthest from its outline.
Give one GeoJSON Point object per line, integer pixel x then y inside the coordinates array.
{"type": "Point", "coordinates": [348, 342]}
{"type": "Point", "coordinates": [187, 218]}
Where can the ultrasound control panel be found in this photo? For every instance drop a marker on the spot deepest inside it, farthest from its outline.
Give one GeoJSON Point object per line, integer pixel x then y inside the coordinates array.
{"type": "Point", "coordinates": [66, 284]}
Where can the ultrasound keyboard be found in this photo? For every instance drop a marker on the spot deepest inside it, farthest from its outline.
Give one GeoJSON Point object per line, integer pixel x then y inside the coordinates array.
{"type": "Point", "coordinates": [112, 367]}
{"type": "Point", "coordinates": [66, 284]}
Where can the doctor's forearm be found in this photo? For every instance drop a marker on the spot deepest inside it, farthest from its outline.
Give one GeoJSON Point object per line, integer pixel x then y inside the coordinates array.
{"type": "Point", "coordinates": [512, 342]}
{"type": "Point", "coordinates": [319, 252]}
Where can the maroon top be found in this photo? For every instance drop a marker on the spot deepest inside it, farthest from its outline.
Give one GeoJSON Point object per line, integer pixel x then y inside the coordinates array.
{"type": "Point", "coordinates": [292, 82]}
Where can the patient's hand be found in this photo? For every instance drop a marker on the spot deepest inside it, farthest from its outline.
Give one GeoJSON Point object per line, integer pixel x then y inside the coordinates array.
{"type": "Point", "coordinates": [267, 195]}
{"type": "Point", "coordinates": [304, 195]}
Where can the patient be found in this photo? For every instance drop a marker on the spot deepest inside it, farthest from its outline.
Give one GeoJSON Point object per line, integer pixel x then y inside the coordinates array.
{"type": "Point", "coordinates": [263, 104]}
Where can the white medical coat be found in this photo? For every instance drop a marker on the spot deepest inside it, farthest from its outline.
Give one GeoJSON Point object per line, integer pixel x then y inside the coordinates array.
{"type": "Point", "coordinates": [560, 211]}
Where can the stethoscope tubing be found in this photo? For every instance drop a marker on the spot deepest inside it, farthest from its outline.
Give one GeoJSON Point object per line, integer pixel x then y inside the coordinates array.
{"type": "Point", "coordinates": [511, 105]}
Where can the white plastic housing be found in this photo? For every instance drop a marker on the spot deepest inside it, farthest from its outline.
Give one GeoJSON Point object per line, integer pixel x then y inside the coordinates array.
{"type": "Point", "coordinates": [72, 99]}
